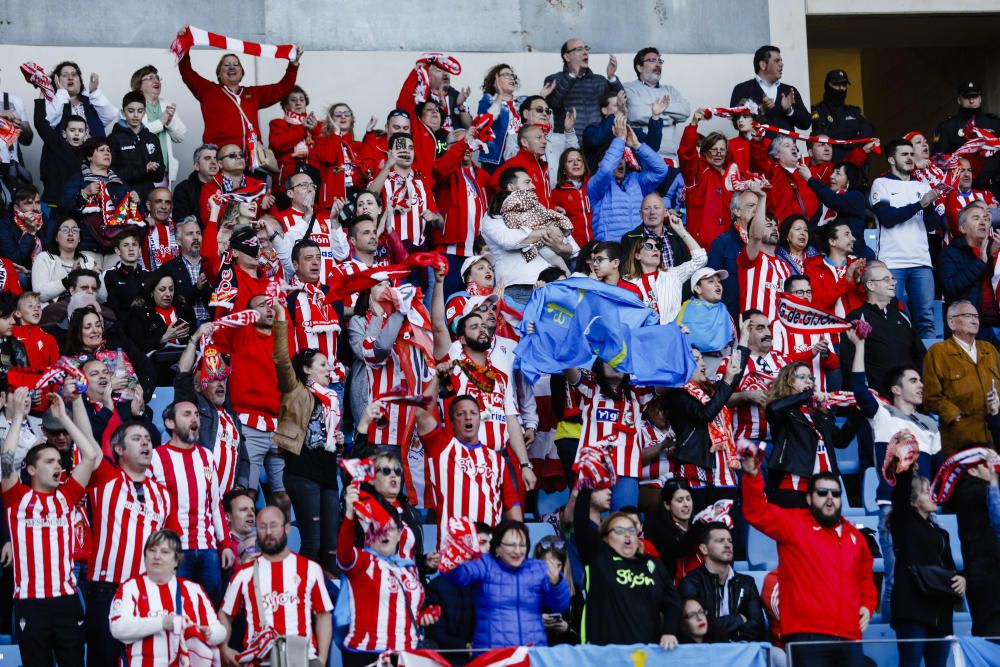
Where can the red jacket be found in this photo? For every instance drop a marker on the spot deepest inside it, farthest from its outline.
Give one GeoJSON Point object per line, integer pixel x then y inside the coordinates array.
{"type": "Point", "coordinates": [452, 181]}
{"type": "Point", "coordinates": [781, 198]}
{"type": "Point", "coordinates": [42, 348]}
{"type": "Point", "coordinates": [955, 201]}
{"type": "Point", "coordinates": [253, 386]}
{"type": "Point", "coordinates": [827, 289]}
{"type": "Point", "coordinates": [330, 154]}
{"type": "Point", "coordinates": [536, 169]}
{"type": "Point", "coordinates": [283, 137]}
{"type": "Point", "coordinates": [223, 121]}
{"type": "Point", "coordinates": [824, 578]}
{"type": "Point", "coordinates": [210, 244]}
{"type": "Point", "coordinates": [576, 202]}
{"type": "Point", "coordinates": [424, 142]}
{"type": "Point", "coordinates": [739, 152]}
{"type": "Point", "coordinates": [9, 281]}
{"type": "Point", "coordinates": [705, 191]}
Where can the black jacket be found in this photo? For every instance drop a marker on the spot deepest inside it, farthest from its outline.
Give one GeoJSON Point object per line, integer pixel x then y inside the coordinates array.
{"type": "Point", "coordinates": [980, 552]}
{"type": "Point", "coordinates": [800, 117]}
{"type": "Point", "coordinates": [187, 198]}
{"type": "Point", "coordinates": [458, 616]}
{"type": "Point", "coordinates": [184, 288]}
{"type": "Point", "coordinates": [892, 342]}
{"type": "Point", "coordinates": [690, 419]}
{"type": "Point", "coordinates": [840, 121]}
{"type": "Point", "coordinates": [124, 287]}
{"type": "Point", "coordinates": [60, 161]}
{"type": "Point", "coordinates": [962, 275]}
{"type": "Point", "coordinates": [146, 327]}
{"type": "Point", "coordinates": [917, 541]}
{"type": "Point", "coordinates": [744, 600]}
{"type": "Point", "coordinates": [17, 246]}
{"type": "Point", "coordinates": [629, 600]}
{"type": "Point", "coordinates": [794, 440]}
{"type": "Point", "coordinates": [949, 135]}
{"type": "Point", "coordinates": [673, 543]}
{"type": "Point", "coordinates": [130, 153]}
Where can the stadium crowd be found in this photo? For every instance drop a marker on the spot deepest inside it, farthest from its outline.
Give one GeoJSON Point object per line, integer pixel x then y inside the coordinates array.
{"type": "Point", "coordinates": [338, 316]}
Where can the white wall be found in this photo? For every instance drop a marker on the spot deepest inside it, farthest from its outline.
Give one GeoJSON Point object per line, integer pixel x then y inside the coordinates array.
{"type": "Point", "coordinates": [369, 82]}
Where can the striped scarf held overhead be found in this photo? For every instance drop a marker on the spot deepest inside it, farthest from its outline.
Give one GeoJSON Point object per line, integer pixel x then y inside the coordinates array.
{"type": "Point", "coordinates": [193, 36]}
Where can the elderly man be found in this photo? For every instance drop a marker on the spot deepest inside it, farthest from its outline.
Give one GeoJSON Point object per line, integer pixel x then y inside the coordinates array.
{"type": "Point", "coordinates": [965, 194]}
{"type": "Point", "coordinates": [578, 87]}
{"type": "Point", "coordinates": [965, 267]}
{"type": "Point", "coordinates": [744, 208]}
{"type": "Point", "coordinates": [654, 213]}
{"type": "Point", "coordinates": [780, 103]}
{"type": "Point", "coordinates": [647, 90]}
{"type": "Point", "coordinates": [960, 381]}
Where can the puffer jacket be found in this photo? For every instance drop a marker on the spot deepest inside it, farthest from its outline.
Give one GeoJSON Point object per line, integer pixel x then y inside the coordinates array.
{"type": "Point", "coordinates": [509, 601]}
{"type": "Point", "coordinates": [616, 205]}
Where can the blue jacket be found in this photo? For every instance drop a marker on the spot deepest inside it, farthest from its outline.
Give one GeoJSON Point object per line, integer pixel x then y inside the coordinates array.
{"type": "Point", "coordinates": [510, 602]}
{"type": "Point", "coordinates": [494, 149]}
{"type": "Point", "coordinates": [722, 256]}
{"type": "Point", "coordinates": [616, 206]}
{"type": "Point", "coordinates": [597, 138]}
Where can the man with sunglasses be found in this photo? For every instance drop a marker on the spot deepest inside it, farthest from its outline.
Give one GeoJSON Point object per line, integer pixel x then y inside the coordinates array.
{"type": "Point", "coordinates": [578, 87]}
{"type": "Point", "coordinates": [824, 569]}
{"type": "Point", "coordinates": [647, 91]}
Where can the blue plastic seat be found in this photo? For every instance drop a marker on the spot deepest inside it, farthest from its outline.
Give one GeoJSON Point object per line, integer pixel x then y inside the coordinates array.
{"type": "Point", "coordinates": [537, 530]}
{"type": "Point", "coordinates": [846, 508]}
{"type": "Point", "coordinates": [868, 489]}
{"type": "Point", "coordinates": [937, 306]}
{"type": "Point", "coordinates": [161, 398]}
{"type": "Point", "coordinates": [950, 523]}
{"type": "Point", "coordinates": [762, 551]}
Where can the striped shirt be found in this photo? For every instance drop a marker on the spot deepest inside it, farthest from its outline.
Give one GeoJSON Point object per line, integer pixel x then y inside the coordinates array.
{"type": "Point", "coordinates": [494, 406]}
{"type": "Point", "coordinates": [408, 192]}
{"type": "Point", "coordinates": [612, 420]}
{"type": "Point", "coordinates": [291, 591]}
{"type": "Point", "coordinates": [749, 420]}
{"type": "Point", "coordinates": [142, 598]}
{"type": "Point", "coordinates": [41, 534]}
{"type": "Point", "coordinates": [226, 451]}
{"type": "Point", "coordinates": [125, 515]}
{"type": "Point", "coordinates": [761, 279]}
{"type": "Point", "coordinates": [190, 476]}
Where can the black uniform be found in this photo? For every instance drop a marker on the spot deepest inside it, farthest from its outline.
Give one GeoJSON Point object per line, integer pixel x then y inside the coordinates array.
{"type": "Point", "coordinates": [840, 121]}
{"type": "Point", "coordinates": [950, 135]}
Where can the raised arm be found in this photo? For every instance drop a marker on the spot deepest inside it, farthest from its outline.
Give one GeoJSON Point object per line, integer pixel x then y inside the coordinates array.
{"type": "Point", "coordinates": [442, 337]}
{"type": "Point", "coordinates": [7, 467]}
{"type": "Point", "coordinates": [771, 520]}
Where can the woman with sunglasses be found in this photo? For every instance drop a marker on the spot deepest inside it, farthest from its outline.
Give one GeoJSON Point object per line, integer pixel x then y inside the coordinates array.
{"type": "Point", "coordinates": [662, 286]}
{"type": "Point", "coordinates": [498, 100]}
{"type": "Point", "coordinates": [631, 598]}
{"type": "Point", "coordinates": [803, 435]}
{"type": "Point", "coordinates": [309, 438]}
{"type": "Point", "coordinates": [512, 590]}
{"type": "Point", "coordinates": [561, 628]}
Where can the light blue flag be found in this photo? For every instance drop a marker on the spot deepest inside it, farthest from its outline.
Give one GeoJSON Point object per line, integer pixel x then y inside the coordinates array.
{"type": "Point", "coordinates": [977, 651]}
{"type": "Point", "coordinates": [685, 655]}
{"type": "Point", "coordinates": [661, 356]}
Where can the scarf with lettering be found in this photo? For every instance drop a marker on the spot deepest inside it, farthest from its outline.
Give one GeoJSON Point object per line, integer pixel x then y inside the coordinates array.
{"type": "Point", "coordinates": [226, 289]}
{"type": "Point", "coordinates": [36, 76]}
{"type": "Point", "coordinates": [22, 220]}
{"type": "Point", "coordinates": [9, 132]}
{"type": "Point", "coordinates": [162, 241]}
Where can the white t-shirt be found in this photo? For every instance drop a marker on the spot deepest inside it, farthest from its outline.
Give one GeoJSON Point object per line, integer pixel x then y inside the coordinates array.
{"type": "Point", "coordinates": [903, 246]}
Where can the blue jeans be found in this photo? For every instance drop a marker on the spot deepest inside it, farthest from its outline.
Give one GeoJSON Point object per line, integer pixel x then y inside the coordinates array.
{"type": "Point", "coordinates": [915, 289]}
{"type": "Point", "coordinates": [625, 493]}
{"type": "Point", "coordinates": [203, 567]}
{"type": "Point", "coordinates": [888, 558]}
{"type": "Point", "coordinates": [933, 653]}
{"type": "Point", "coordinates": [517, 295]}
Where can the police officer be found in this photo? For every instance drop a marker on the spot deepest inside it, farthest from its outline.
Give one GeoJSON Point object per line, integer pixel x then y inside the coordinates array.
{"type": "Point", "coordinates": [950, 134]}
{"type": "Point", "coordinates": [838, 120]}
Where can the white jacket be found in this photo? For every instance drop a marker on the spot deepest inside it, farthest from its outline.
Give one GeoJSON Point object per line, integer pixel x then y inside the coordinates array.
{"type": "Point", "coordinates": [176, 130]}
{"type": "Point", "coordinates": [670, 283]}
{"type": "Point", "coordinates": [505, 245]}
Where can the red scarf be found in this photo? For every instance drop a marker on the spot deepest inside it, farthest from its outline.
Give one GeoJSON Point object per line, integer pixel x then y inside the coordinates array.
{"type": "Point", "coordinates": [21, 220]}
{"type": "Point", "coordinates": [169, 316]}
{"type": "Point", "coordinates": [162, 244]}
{"type": "Point", "coordinates": [301, 150]}
{"type": "Point", "coordinates": [720, 428]}
{"type": "Point", "coordinates": [331, 411]}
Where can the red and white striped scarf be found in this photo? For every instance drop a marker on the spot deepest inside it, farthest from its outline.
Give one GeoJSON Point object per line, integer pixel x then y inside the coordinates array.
{"type": "Point", "coordinates": [331, 411]}
{"type": "Point", "coordinates": [162, 244]}
{"type": "Point", "coordinates": [301, 149]}
{"type": "Point", "coordinates": [822, 139]}
{"type": "Point", "coordinates": [9, 132]}
{"type": "Point", "coordinates": [720, 428]}
{"type": "Point", "coordinates": [193, 36]}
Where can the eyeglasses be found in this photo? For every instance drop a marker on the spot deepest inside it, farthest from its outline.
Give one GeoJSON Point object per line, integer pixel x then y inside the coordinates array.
{"type": "Point", "coordinates": [509, 75]}
{"type": "Point", "coordinates": [701, 613]}
{"type": "Point", "coordinates": [152, 77]}
{"type": "Point", "coordinates": [545, 111]}
{"type": "Point", "coordinates": [583, 49]}
{"type": "Point", "coordinates": [70, 230]}
{"type": "Point", "coordinates": [552, 544]}
{"type": "Point", "coordinates": [308, 186]}
{"type": "Point", "coordinates": [514, 545]}
{"type": "Point", "coordinates": [801, 292]}
{"type": "Point", "coordinates": [599, 259]}
{"type": "Point", "coordinates": [342, 114]}
{"type": "Point", "coordinates": [622, 530]}
{"type": "Point", "coordinates": [974, 316]}
{"type": "Point", "coordinates": [239, 155]}
{"type": "Point", "coordinates": [653, 61]}
{"type": "Point", "coordinates": [823, 493]}
{"type": "Point", "coordinates": [386, 470]}
{"type": "Point", "coordinates": [887, 279]}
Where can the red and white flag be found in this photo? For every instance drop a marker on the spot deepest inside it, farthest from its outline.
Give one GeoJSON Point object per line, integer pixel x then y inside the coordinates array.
{"type": "Point", "coordinates": [422, 657]}
{"type": "Point", "coordinates": [801, 317]}
{"type": "Point", "coordinates": [503, 657]}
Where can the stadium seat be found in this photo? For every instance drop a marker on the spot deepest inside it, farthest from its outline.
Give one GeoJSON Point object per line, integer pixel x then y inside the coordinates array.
{"type": "Point", "coordinates": [741, 565]}
{"type": "Point", "coordinates": [537, 530]}
{"type": "Point", "coordinates": [880, 645]}
{"type": "Point", "coordinates": [848, 459]}
{"type": "Point", "coordinates": [758, 577]}
{"type": "Point", "coordinates": [871, 238]}
{"type": "Point", "coordinates": [161, 398]}
{"type": "Point", "coordinates": [762, 551]}
{"type": "Point", "coordinates": [950, 523]}
{"type": "Point", "coordinates": [846, 508]}
{"type": "Point", "coordinates": [294, 539]}
{"type": "Point", "coordinates": [550, 502]}
{"type": "Point", "coordinates": [937, 307]}
{"type": "Point", "coordinates": [869, 486]}
{"type": "Point", "coordinates": [869, 521]}
{"type": "Point", "coordinates": [430, 536]}
{"type": "Point", "coordinates": [928, 342]}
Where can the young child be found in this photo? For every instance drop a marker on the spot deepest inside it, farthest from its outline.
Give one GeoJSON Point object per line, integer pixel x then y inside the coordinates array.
{"type": "Point", "coordinates": [41, 348]}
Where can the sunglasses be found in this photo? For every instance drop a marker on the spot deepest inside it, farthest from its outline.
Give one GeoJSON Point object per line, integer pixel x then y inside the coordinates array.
{"type": "Point", "coordinates": [648, 245]}
{"type": "Point", "coordinates": [823, 493]}
{"type": "Point", "coordinates": [552, 544]}
{"type": "Point", "coordinates": [386, 470]}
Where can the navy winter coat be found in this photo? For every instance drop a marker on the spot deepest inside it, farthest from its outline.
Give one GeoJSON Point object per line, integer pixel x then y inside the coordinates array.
{"type": "Point", "coordinates": [509, 601]}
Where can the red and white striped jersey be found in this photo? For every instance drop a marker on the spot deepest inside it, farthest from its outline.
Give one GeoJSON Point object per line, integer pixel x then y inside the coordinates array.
{"type": "Point", "coordinates": [384, 599]}
{"type": "Point", "coordinates": [190, 476]}
{"type": "Point", "coordinates": [123, 522]}
{"type": "Point", "coordinates": [657, 471]}
{"type": "Point", "coordinates": [407, 538]}
{"type": "Point", "coordinates": [313, 324]}
{"type": "Point", "coordinates": [792, 344]}
{"type": "Point", "coordinates": [226, 452]}
{"type": "Point", "coordinates": [612, 420]}
{"type": "Point", "coordinates": [749, 420]}
{"type": "Point", "coordinates": [467, 480]}
{"type": "Point", "coordinates": [699, 478]}
{"type": "Point", "coordinates": [143, 598]}
{"type": "Point", "coordinates": [494, 406]}
{"type": "Point", "coordinates": [408, 192]}
{"type": "Point", "coordinates": [41, 535]}
{"type": "Point", "coordinates": [383, 377]}
{"type": "Point", "coordinates": [291, 591]}
{"type": "Point", "coordinates": [474, 209]}
{"type": "Point", "coordinates": [331, 238]}
{"type": "Point", "coordinates": [647, 293]}
{"type": "Point", "coordinates": [760, 282]}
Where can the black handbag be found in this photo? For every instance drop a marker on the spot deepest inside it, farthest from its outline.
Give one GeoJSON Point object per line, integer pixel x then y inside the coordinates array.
{"type": "Point", "coordinates": [935, 581]}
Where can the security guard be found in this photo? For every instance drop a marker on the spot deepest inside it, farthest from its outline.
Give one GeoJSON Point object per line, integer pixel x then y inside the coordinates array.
{"type": "Point", "coordinates": [838, 120]}
{"type": "Point", "coordinates": [950, 133]}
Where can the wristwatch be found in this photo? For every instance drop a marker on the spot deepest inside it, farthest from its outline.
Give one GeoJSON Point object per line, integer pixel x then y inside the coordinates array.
{"type": "Point", "coordinates": [527, 464]}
